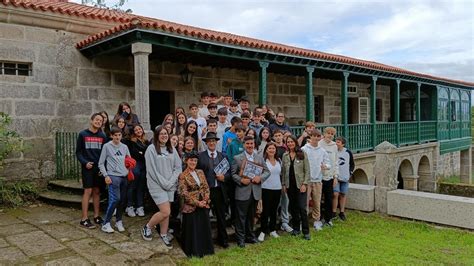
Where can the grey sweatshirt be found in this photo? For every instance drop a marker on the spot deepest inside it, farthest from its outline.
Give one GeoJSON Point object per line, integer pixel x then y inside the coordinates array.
{"type": "Point", "coordinates": [112, 159]}
{"type": "Point", "coordinates": [162, 171]}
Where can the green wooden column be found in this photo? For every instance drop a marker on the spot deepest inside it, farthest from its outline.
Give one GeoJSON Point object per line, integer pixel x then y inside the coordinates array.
{"type": "Point", "coordinates": [449, 113]}
{"type": "Point", "coordinates": [418, 111]}
{"type": "Point", "coordinates": [459, 114]}
{"type": "Point", "coordinates": [373, 110]}
{"type": "Point", "coordinates": [344, 84]}
{"type": "Point", "coordinates": [309, 94]}
{"type": "Point", "coordinates": [397, 112]}
{"type": "Point", "coordinates": [262, 83]}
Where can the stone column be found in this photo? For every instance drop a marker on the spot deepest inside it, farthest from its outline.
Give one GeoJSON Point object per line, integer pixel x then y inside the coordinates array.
{"type": "Point", "coordinates": [140, 53]}
{"type": "Point", "coordinates": [309, 94]}
{"type": "Point", "coordinates": [386, 170]}
{"type": "Point", "coordinates": [466, 166]}
{"type": "Point", "coordinates": [410, 182]}
{"type": "Point", "coordinates": [262, 83]}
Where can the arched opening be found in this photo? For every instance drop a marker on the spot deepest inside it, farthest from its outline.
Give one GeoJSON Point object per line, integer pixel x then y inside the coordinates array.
{"type": "Point", "coordinates": [425, 182]}
{"type": "Point", "coordinates": [406, 177]}
{"type": "Point", "coordinates": [360, 177]}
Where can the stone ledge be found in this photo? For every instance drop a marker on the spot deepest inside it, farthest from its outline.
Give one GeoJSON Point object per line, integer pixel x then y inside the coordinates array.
{"type": "Point", "coordinates": [430, 207]}
{"type": "Point", "coordinates": [361, 197]}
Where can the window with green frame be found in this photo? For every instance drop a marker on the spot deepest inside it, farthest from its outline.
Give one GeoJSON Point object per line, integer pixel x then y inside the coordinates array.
{"type": "Point", "coordinates": [455, 105]}
{"type": "Point", "coordinates": [443, 99]}
{"type": "Point", "coordinates": [465, 108]}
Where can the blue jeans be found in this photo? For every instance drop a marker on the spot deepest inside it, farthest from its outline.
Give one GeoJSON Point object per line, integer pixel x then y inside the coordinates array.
{"type": "Point", "coordinates": [117, 194]}
{"type": "Point", "coordinates": [136, 188]}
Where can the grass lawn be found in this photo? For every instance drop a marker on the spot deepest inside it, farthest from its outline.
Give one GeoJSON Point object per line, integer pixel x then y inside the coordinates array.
{"type": "Point", "coordinates": [362, 239]}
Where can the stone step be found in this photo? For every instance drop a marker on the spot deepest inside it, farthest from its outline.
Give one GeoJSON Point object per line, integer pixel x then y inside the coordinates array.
{"type": "Point", "coordinates": [66, 186]}
{"type": "Point", "coordinates": [61, 199]}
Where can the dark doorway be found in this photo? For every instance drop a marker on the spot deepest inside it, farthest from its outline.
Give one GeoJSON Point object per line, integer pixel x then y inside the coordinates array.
{"type": "Point", "coordinates": [160, 106]}
{"type": "Point", "coordinates": [353, 110]}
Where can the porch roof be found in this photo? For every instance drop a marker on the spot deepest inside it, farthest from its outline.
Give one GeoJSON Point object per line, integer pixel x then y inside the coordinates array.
{"type": "Point", "coordinates": [134, 28]}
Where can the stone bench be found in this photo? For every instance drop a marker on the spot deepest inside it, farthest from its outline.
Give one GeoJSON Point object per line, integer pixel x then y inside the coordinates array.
{"type": "Point", "coordinates": [361, 197]}
{"type": "Point", "coordinates": [430, 207]}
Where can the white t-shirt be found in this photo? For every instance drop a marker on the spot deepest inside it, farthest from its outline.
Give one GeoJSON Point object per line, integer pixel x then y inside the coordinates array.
{"type": "Point", "coordinates": [273, 182]}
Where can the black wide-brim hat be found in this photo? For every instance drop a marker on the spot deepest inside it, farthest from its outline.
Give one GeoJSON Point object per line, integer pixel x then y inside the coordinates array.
{"type": "Point", "coordinates": [210, 135]}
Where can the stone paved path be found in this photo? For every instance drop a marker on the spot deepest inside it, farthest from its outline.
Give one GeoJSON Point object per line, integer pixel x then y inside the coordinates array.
{"type": "Point", "coordinates": [49, 235]}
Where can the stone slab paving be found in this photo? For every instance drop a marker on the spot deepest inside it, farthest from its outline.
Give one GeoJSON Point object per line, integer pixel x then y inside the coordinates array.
{"type": "Point", "coordinates": [49, 235]}
{"type": "Point", "coordinates": [35, 243]}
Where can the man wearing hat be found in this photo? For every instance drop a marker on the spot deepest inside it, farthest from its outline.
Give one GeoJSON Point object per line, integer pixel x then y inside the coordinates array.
{"type": "Point", "coordinates": [208, 161]}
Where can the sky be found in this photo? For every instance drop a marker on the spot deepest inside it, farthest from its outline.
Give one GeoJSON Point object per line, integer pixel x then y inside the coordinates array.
{"type": "Point", "coordinates": [432, 37]}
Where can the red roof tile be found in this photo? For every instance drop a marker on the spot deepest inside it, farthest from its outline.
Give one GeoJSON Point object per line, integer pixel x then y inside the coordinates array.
{"type": "Point", "coordinates": [127, 21]}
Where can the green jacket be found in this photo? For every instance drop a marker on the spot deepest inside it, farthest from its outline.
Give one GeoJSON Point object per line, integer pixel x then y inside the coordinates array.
{"type": "Point", "coordinates": [236, 147]}
{"type": "Point", "coordinates": [301, 170]}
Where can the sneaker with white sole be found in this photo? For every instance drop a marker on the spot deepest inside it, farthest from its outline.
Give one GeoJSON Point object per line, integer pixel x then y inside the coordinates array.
{"type": "Point", "coordinates": [119, 226]}
{"type": "Point", "coordinates": [170, 236]}
{"type": "Point", "coordinates": [274, 234]}
{"type": "Point", "coordinates": [286, 227]}
{"type": "Point", "coordinates": [167, 241]}
{"type": "Point", "coordinates": [261, 237]}
{"type": "Point", "coordinates": [146, 233]}
{"type": "Point", "coordinates": [130, 211]}
{"type": "Point", "coordinates": [329, 224]}
{"type": "Point", "coordinates": [318, 225]}
{"type": "Point", "coordinates": [107, 228]}
{"type": "Point", "coordinates": [140, 211]}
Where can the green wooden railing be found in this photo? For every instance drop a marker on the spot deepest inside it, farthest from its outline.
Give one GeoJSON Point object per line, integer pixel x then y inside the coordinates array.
{"type": "Point", "coordinates": [443, 130]}
{"type": "Point", "coordinates": [428, 130]}
{"type": "Point", "coordinates": [360, 137]}
{"type": "Point", "coordinates": [67, 165]}
{"type": "Point", "coordinates": [408, 132]}
{"type": "Point", "coordinates": [386, 132]}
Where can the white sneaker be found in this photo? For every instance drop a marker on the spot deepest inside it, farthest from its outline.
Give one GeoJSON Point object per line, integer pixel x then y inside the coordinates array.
{"type": "Point", "coordinates": [140, 211]}
{"type": "Point", "coordinates": [318, 225]}
{"type": "Point", "coordinates": [274, 234]}
{"type": "Point", "coordinates": [119, 226]}
{"type": "Point", "coordinates": [130, 211]}
{"type": "Point", "coordinates": [170, 236]}
{"type": "Point", "coordinates": [261, 237]}
{"type": "Point", "coordinates": [286, 227]}
{"type": "Point", "coordinates": [107, 228]}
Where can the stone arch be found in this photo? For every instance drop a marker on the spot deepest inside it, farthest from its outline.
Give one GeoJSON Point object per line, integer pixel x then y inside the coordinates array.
{"type": "Point", "coordinates": [425, 181]}
{"type": "Point", "coordinates": [406, 176]}
{"type": "Point", "coordinates": [360, 177]}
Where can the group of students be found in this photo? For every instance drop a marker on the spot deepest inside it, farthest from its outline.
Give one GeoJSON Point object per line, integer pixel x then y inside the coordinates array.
{"type": "Point", "coordinates": [200, 161]}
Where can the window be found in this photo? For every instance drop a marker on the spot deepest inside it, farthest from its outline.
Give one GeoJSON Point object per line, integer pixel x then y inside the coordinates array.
{"type": "Point", "coordinates": [236, 93]}
{"type": "Point", "coordinates": [318, 109]}
{"type": "Point", "coordinates": [352, 89]}
{"type": "Point", "coordinates": [15, 69]}
{"type": "Point", "coordinates": [363, 110]}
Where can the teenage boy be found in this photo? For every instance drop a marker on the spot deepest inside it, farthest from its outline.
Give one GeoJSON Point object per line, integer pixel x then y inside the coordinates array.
{"type": "Point", "coordinates": [235, 148]}
{"type": "Point", "coordinates": [222, 125]}
{"type": "Point", "coordinates": [211, 127]}
{"type": "Point", "coordinates": [280, 123]}
{"type": "Point", "coordinates": [281, 147]}
{"type": "Point", "coordinates": [330, 176]}
{"type": "Point", "coordinates": [245, 120]}
{"type": "Point", "coordinates": [201, 122]}
{"type": "Point", "coordinates": [207, 162]}
{"type": "Point", "coordinates": [227, 100]}
{"type": "Point", "coordinates": [88, 148]}
{"type": "Point", "coordinates": [256, 124]}
{"type": "Point", "coordinates": [203, 111]}
{"type": "Point", "coordinates": [244, 105]}
{"type": "Point", "coordinates": [304, 138]}
{"type": "Point", "coordinates": [212, 107]}
{"type": "Point", "coordinates": [248, 191]}
{"type": "Point", "coordinates": [318, 162]}
{"type": "Point", "coordinates": [346, 168]}
{"type": "Point", "coordinates": [233, 111]}
{"type": "Point", "coordinates": [213, 98]}
{"type": "Point", "coordinates": [230, 134]}
{"type": "Point", "coordinates": [112, 167]}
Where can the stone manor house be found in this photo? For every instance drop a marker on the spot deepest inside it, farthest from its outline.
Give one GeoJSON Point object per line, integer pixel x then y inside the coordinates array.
{"type": "Point", "coordinates": [61, 61]}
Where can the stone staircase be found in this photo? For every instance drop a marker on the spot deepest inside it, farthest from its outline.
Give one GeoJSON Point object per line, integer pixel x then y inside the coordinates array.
{"type": "Point", "coordinates": [64, 193]}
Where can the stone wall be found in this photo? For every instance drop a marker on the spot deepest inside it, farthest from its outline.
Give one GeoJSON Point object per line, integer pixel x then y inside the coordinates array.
{"type": "Point", "coordinates": [448, 165]}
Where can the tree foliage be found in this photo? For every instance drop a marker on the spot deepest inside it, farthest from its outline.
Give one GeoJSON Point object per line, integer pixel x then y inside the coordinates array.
{"type": "Point", "coordinates": [10, 141]}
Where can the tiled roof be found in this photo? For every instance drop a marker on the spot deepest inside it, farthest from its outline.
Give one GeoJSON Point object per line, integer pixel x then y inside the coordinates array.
{"type": "Point", "coordinates": [126, 21]}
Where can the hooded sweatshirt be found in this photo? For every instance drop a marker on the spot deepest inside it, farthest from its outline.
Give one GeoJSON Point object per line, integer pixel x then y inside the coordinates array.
{"type": "Point", "coordinates": [331, 149]}
{"type": "Point", "coordinates": [316, 157]}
